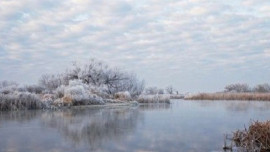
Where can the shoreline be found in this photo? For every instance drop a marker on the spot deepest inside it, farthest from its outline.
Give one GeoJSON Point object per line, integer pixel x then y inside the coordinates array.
{"type": "Point", "coordinates": [124, 104]}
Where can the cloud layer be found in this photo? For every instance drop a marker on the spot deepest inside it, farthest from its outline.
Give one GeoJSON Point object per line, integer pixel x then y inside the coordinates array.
{"type": "Point", "coordinates": [195, 45]}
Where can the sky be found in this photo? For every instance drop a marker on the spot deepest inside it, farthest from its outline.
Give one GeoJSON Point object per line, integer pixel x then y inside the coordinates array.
{"type": "Point", "coordinates": [193, 45]}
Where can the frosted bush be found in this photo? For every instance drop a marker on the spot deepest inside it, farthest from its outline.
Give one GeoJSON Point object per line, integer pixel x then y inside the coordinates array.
{"type": "Point", "coordinates": [100, 91]}
{"type": "Point", "coordinates": [80, 94]}
{"type": "Point", "coordinates": [47, 100]}
{"type": "Point", "coordinates": [94, 99]}
{"type": "Point", "coordinates": [20, 100]}
{"type": "Point", "coordinates": [58, 103]}
{"type": "Point", "coordinates": [60, 92]}
{"type": "Point", "coordinates": [154, 99]}
{"type": "Point", "coordinates": [123, 96]}
{"type": "Point", "coordinates": [8, 89]}
{"type": "Point", "coordinates": [77, 90]}
{"type": "Point", "coordinates": [5, 84]}
{"type": "Point", "coordinates": [34, 89]}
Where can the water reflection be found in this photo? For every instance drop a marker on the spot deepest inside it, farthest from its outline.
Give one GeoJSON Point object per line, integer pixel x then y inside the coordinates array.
{"type": "Point", "coordinates": [66, 130]}
{"type": "Point", "coordinates": [236, 106]}
{"type": "Point", "coordinates": [93, 127]}
{"type": "Point", "coordinates": [18, 116]}
{"type": "Point", "coordinates": [155, 106]}
{"type": "Point", "coordinates": [180, 126]}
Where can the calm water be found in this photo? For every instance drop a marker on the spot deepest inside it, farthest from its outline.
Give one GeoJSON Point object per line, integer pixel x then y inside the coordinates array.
{"type": "Point", "coordinates": [181, 126]}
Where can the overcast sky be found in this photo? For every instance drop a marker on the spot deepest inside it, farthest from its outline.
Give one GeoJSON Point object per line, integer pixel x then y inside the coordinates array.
{"type": "Point", "coordinates": [194, 45]}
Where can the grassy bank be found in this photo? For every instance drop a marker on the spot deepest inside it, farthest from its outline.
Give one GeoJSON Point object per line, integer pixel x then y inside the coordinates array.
{"type": "Point", "coordinates": [230, 96]}
{"type": "Point", "coordinates": [154, 99]}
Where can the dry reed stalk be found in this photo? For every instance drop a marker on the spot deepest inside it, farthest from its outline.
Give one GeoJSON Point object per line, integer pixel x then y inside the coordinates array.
{"type": "Point", "coordinates": [256, 137]}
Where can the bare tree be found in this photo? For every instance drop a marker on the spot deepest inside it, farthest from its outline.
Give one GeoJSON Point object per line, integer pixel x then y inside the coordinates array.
{"type": "Point", "coordinates": [4, 84]}
{"type": "Point", "coordinates": [51, 82]}
{"type": "Point", "coordinates": [238, 87]}
{"type": "Point", "coordinates": [169, 90]}
{"type": "Point", "coordinates": [263, 88]}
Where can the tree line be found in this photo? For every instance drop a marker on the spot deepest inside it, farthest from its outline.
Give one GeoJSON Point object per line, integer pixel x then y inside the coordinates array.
{"type": "Point", "coordinates": [243, 87]}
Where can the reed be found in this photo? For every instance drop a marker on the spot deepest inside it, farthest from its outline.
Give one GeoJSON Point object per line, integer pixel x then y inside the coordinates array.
{"type": "Point", "coordinates": [230, 96]}
{"type": "Point", "coordinates": [19, 101]}
{"type": "Point", "coordinates": [255, 138]}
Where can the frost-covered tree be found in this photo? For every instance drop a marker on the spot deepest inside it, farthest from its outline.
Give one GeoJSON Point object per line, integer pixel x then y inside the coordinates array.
{"type": "Point", "coordinates": [7, 87]}
{"type": "Point", "coordinates": [51, 82]}
{"type": "Point", "coordinates": [5, 84]}
{"type": "Point", "coordinates": [97, 74]}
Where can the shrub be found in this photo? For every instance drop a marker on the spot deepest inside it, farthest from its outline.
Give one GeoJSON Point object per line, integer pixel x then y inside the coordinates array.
{"type": "Point", "coordinates": [5, 84]}
{"type": "Point", "coordinates": [20, 100]}
{"type": "Point", "coordinates": [34, 89]}
{"type": "Point", "coordinates": [123, 96]}
{"type": "Point", "coordinates": [256, 137]}
{"type": "Point", "coordinates": [60, 92]}
{"type": "Point", "coordinates": [154, 99]}
{"type": "Point", "coordinates": [47, 100]}
{"type": "Point", "coordinates": [51, 82]}
{"type": "Point", "coordinates": [79, 93]}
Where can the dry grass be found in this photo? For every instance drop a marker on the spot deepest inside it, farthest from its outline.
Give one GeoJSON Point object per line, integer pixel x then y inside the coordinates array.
{"type": "Point", "coordinates": [20, 101]}
{"type": "Point", "coordinates": [153, 99]}
{"type": "Point", "coordinates": [255, 138]}
{"type": "Point", "coordinates": [230, 96]}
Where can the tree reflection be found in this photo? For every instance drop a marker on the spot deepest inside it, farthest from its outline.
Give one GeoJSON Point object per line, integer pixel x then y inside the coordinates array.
{"type": "Point", "coordinates": [93, 127]}
{"type": "Point", "coordinates": [19, 116]}
{"type": "Point", "coordinates": [236, 105]}
{"type": "Point", "coordinates": [155, 106]}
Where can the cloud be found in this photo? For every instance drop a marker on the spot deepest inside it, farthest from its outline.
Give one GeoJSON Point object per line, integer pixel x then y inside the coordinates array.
{"type": "Point", "coordinates": [160, 40]}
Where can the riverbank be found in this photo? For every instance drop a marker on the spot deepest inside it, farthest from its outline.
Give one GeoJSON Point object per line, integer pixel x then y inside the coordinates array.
{"type": "Point", "coordinates": [230, 96]}
{"type": "Point", "coordinates": [29, 101]}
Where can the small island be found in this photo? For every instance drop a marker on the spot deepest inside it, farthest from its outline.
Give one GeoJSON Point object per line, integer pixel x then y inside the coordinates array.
{"type": "Point", "coordinates": [94, 83]}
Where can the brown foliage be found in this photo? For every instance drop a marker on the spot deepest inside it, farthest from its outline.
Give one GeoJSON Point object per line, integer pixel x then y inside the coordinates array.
{"type": "Point", "coordinates": [67, 100]}
{"type": "Point", "coordinates": [257, 136]}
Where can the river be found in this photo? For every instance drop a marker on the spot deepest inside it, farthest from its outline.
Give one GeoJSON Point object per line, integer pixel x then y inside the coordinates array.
{"type": "Point", "coordinates": [187, 126]}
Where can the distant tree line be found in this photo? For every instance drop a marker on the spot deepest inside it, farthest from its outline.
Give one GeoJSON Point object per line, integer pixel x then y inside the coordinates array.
{"type": "Point", "coordinates": [243, 87]}
{"type": "Point", "coordinates": [156, 90]}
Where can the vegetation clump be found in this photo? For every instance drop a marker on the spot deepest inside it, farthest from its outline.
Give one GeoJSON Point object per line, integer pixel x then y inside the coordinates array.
{"type": "Point", "coordinates": [154, 98]}
{"type": "Point", "coordinates": [20, 100]}
{"type": "Point", "coordinates": [255, 138]}
{"type": "Point", "coordinates": [238, 91]}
